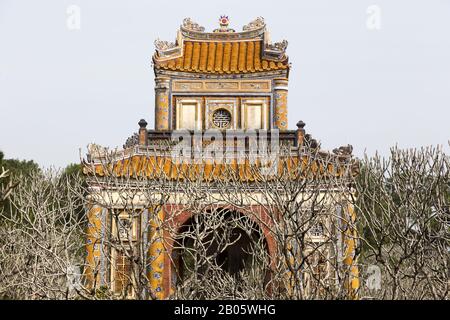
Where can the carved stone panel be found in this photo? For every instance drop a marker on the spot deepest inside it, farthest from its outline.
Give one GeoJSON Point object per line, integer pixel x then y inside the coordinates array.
{"type": "Point", "coordinates": [187, 86]}
{"type": "Point", "coordinates": [221, 86]}
{"type": "Point", "coordinates": [238, 86]}
{"type": "Point", "coordinates": [255, 86]}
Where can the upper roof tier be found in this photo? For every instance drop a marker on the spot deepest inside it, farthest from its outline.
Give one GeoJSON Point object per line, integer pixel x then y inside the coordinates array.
{"type": "Point", "coordinates": [222, 51]}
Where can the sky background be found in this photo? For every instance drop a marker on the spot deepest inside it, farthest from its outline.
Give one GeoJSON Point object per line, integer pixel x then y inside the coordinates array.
{"type": "Point", "coordinates": [61, 89]}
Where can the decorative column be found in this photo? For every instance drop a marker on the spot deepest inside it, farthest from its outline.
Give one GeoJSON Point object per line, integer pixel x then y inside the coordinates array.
{"type": "Point", "coordinates": [93, 246]}
{"type": "Point", "coordinates": [143, 133]}
{"type": "Point", "coordinates": [162, 121]}
{"type": "Point", "coordinates": [156, 254]}
{"type": "Point", "coordinates": [350, 236]}
{"type": "Point", "coordinates": [292, 255]}
{"type": "Point", "coordinates": [300, 133]}
{"type": "Point", "coordinates": [280, 103]}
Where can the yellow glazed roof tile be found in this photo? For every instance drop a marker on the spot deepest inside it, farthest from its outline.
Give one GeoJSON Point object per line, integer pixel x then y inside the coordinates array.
{"type": "Point", "coordinates": [221, 57]}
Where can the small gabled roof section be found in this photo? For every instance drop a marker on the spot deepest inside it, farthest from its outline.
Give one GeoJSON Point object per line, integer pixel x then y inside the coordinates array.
{"type": "Point", "coordinates": [223, 51]}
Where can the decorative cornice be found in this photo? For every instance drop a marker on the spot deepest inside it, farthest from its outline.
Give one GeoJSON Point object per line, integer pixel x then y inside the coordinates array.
{"type": "Point", "coordinates": [191, 75]}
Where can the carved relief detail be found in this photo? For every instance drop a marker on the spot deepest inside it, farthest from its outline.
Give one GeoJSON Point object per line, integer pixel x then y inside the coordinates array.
{"type": "Point", "coordinates": [263, 85]}
{"type": "Point", "coordinates": [221, 85]}
{"type": "Point", "coordinates": [187, 86]}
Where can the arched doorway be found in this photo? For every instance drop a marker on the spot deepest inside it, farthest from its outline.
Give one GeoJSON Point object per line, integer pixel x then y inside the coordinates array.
{"type": "Point", "coordinates": [219, 243]}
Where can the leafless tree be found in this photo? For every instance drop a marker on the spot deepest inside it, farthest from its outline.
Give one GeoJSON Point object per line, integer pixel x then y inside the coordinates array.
{"type": "Point", "coordinates": [41, 239]}
{"type": "Point", "coordinates": [290, 233]}
{"type": "Point", "coordinates": [6, 185]}
{"type": "Point", "coordinates": [403, 208]}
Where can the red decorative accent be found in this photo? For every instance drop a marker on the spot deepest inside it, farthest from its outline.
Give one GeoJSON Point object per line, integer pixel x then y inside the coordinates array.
{"type": "Point", "coordinates": [224, 21]}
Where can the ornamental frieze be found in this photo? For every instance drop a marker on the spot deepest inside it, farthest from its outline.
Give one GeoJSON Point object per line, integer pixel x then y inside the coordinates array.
{"type": "Point", "coordinates": [221, 86]}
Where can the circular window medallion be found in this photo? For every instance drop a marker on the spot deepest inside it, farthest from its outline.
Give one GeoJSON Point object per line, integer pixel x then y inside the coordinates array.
{"type": "Point", "coordinates": [221, 119]}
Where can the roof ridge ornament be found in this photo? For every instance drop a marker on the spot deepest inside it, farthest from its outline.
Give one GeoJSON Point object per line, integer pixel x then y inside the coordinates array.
{"type": "Point", "coordinates": [224, 21]}
{"type": "Point", "coordinates": [278, 46]}
{"type": "Point", "coordinates": [258, 23]}
{"type": "Point", "coordinates": [275, 51]}
{"type": "Point", "coordinates": [190, 30]}
{"type": "Point", "coordinates": [189, 24]}
{"type": "Point", "coordinates": [344, 150]}
{"type": "Point", "coordinates": [167, 49]}
{"type": "Point", "coordinates": [162, 45]}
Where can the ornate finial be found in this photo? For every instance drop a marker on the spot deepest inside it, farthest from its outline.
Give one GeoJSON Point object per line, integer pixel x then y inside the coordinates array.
{"type": "Point", "coordinates": [224, 21]}
{"type": "Point", "coordinates": [301, 124]}
{"type": "Point", "coordinates": [191, 25]}
{"type": "Point", "coordinates": [143, 133]}
{"type": "Point", "coordinates": [276, 51]}
{"type": "Point", "coordinates": [278, 46]}
{"type": "Point", "coordinates": [343, 150]}
{"type": "Point", "coordinates": [96, 150]}
{"type": "Point", "coordinates": [164, 45]}
{"type": "Point", "coordinates": [255, 24]}
{"type": "Point", "coordinates": [142, 123]}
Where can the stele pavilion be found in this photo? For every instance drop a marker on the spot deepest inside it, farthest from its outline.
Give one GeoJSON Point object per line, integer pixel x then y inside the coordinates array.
{"type": "Point", "coordinates": [224, 80]}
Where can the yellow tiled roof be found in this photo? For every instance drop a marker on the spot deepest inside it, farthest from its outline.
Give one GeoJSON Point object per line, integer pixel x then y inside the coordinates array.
{"type": "Point", "coordinates": [157, 167]}
{"type": "Point", "coordinates": [221, 57]}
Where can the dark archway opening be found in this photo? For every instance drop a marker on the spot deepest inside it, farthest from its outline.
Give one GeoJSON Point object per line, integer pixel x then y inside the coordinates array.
{"type": "Point", "coordinates": [220, 241]}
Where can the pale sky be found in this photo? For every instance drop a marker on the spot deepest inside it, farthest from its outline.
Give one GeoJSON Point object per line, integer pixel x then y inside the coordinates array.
{"type": "Point", "coordinates": [61, 89]}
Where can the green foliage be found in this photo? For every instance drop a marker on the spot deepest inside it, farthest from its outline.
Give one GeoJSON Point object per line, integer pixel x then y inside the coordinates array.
{"type": "Point", "coordinates": [18, 167]}
{"type": "Point", "coordinates": [72, 169]}
{"type": "Point", "coordinates": [18, 171]}
{"type": "Point", "coordinates": [395, 196]}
